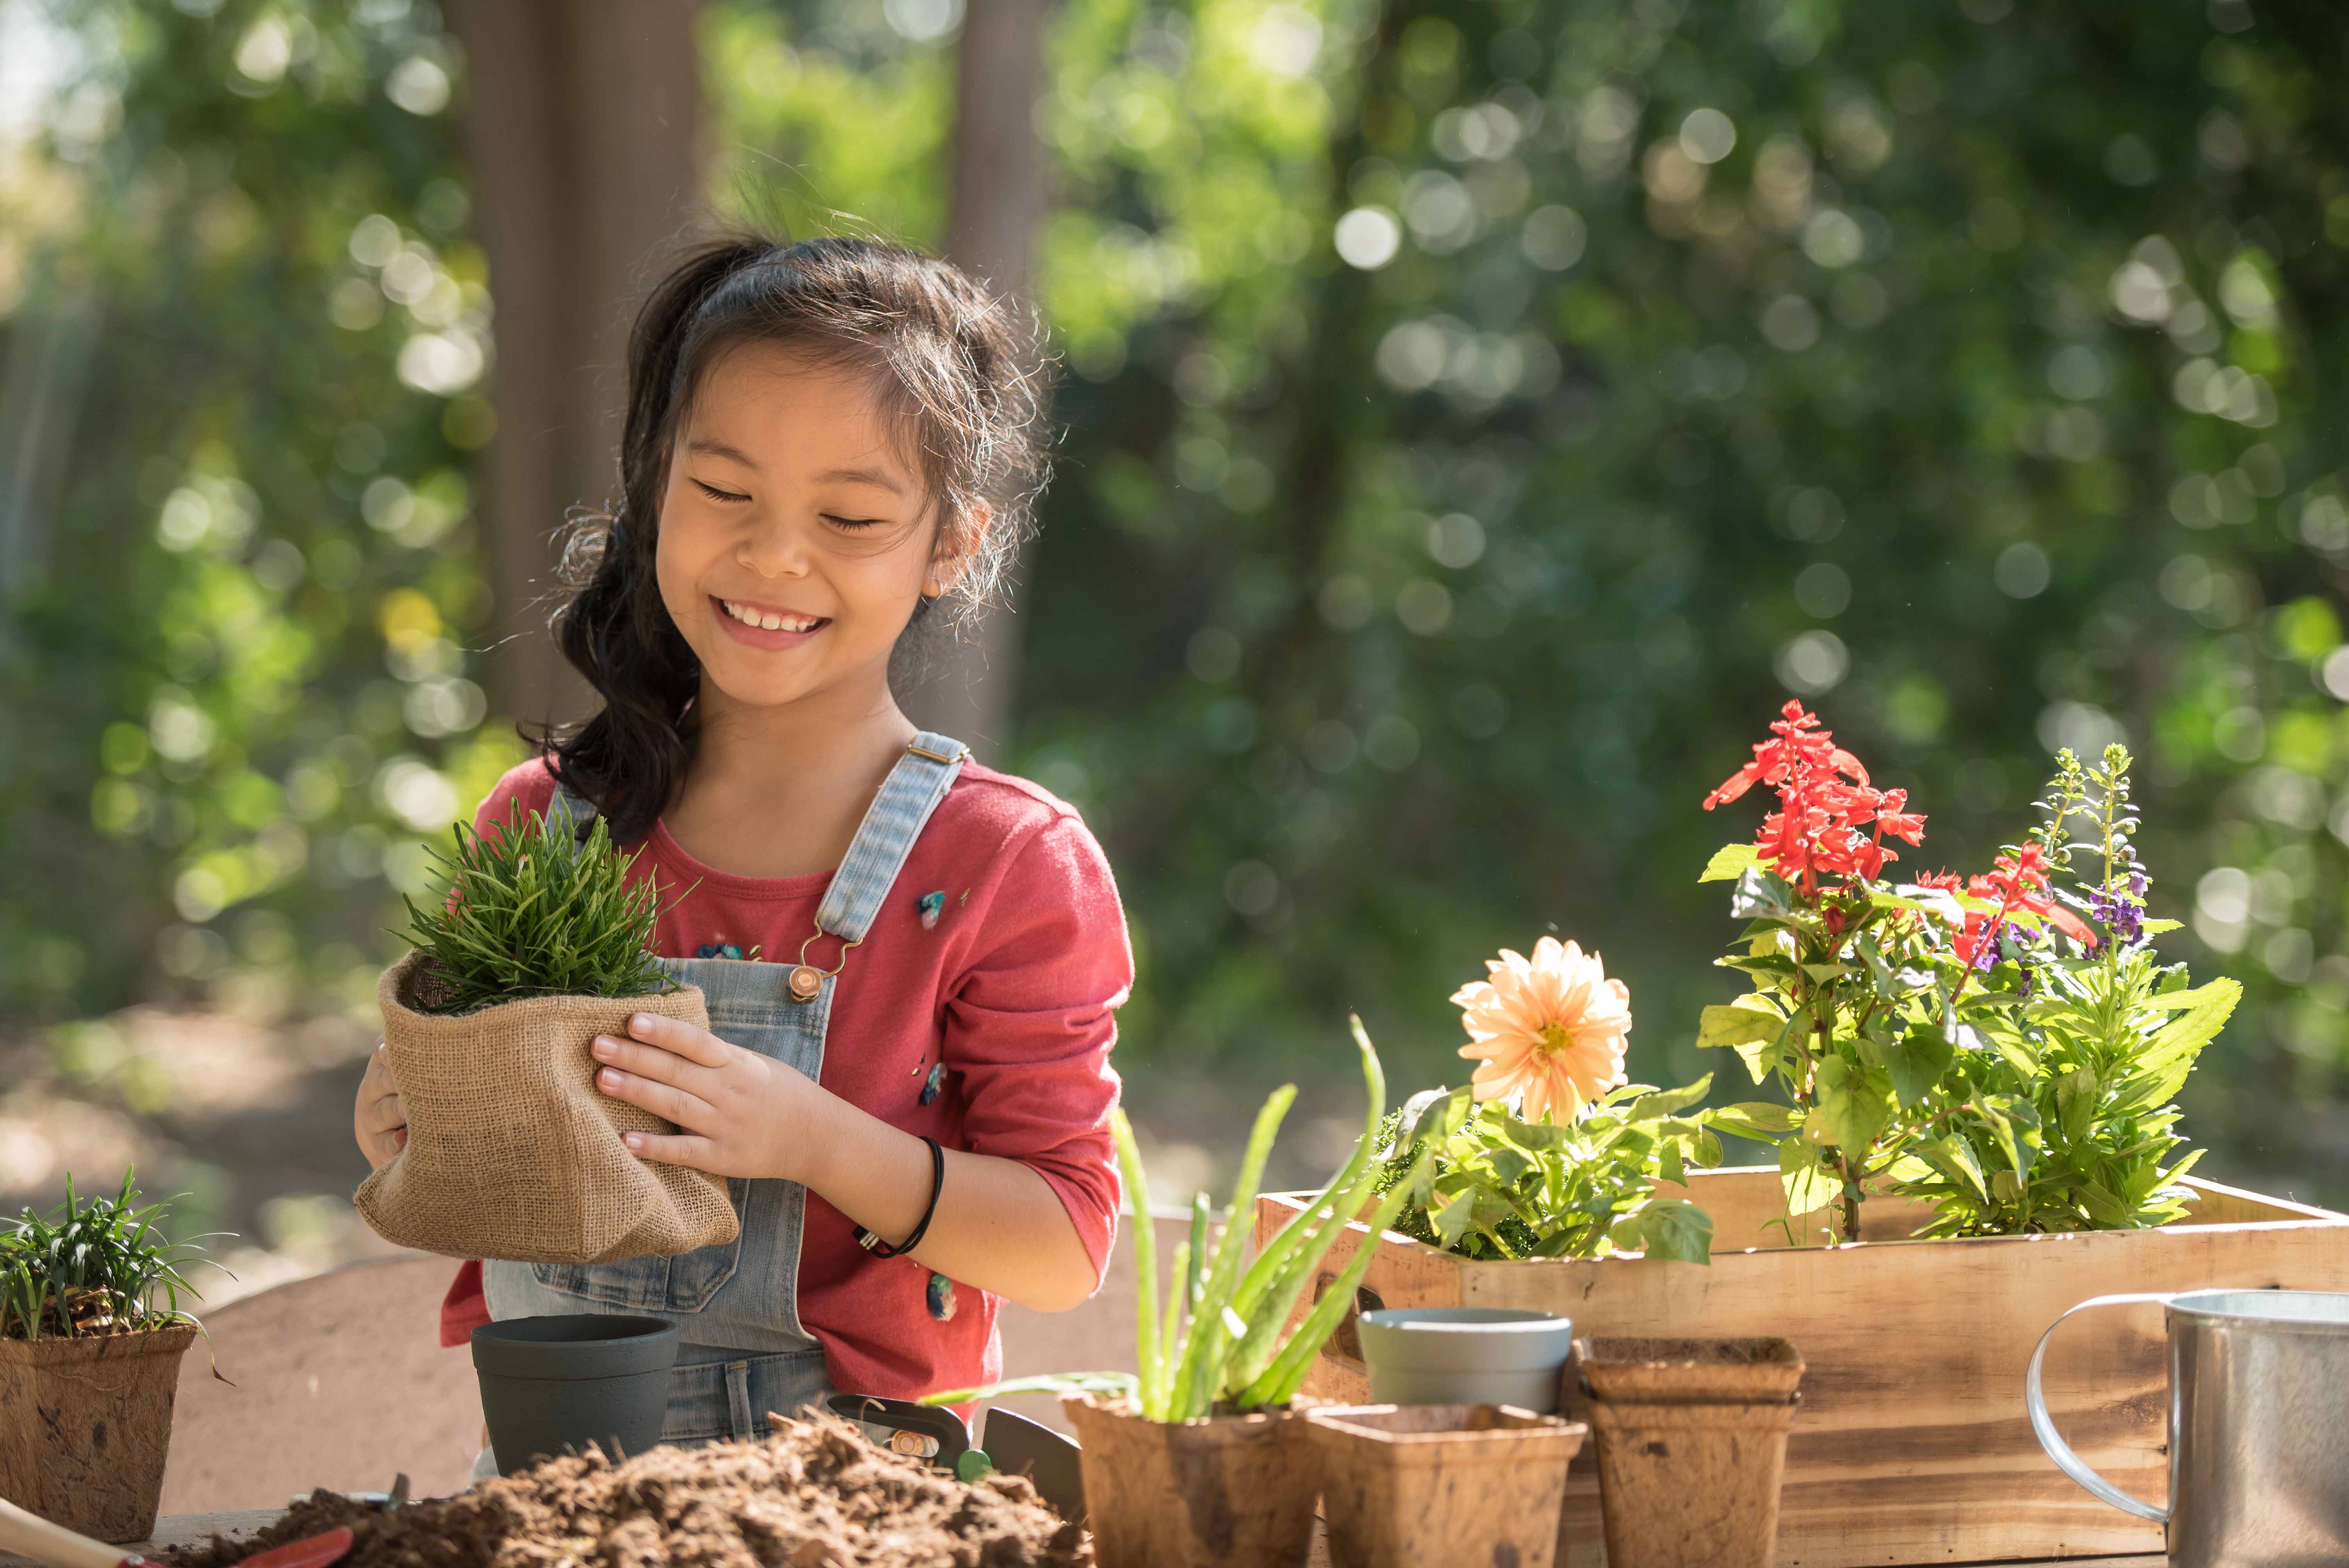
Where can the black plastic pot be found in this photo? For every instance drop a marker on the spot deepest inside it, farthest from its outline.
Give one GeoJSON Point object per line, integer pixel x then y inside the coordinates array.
{"type": "Point", "coordinates": [554, 1385]}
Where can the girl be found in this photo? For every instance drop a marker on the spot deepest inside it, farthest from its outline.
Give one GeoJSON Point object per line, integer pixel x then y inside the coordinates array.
{"type": "Point", "coordinates": [911, 961]}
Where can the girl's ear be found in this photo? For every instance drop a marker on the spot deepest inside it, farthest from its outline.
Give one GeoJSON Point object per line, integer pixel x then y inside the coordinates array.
{"type": "Point", "coordinates": [956, 547]}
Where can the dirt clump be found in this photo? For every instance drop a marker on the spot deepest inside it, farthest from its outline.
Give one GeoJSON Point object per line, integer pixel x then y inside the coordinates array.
{"type": "Point", "coordinates": [814, 1494]}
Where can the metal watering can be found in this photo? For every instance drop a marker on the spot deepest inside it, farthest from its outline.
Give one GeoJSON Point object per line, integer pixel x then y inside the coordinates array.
{"type": "Point", "coordinates": [2259, 1427]}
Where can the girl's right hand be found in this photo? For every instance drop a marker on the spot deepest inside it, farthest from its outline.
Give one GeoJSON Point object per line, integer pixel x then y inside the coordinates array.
{"type": "Point", "coordinates": [379, 1118]}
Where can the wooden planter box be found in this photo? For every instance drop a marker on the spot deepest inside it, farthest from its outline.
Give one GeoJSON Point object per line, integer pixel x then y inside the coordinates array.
{"type": "Point", "coordinates": [1912, 1445]}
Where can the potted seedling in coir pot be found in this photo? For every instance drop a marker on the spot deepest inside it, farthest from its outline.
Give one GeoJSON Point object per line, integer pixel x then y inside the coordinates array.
{"type": "Point", "coordinates": [542, 942]}
{"type": "Point", "coordinates": [1692, 1445]}
{"type": "Point", "coordinates": [1198, 1461]}
{"type": "Point", "coordinates": [91, 1335]}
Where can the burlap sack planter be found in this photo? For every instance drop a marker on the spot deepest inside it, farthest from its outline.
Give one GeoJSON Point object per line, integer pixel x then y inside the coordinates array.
{"type": "Point", "coordinates": [1228, 1491]}
{"type": "Point", "coordinates": [512, 1152]}
{"type": "Point", "coordinates": [86, 1424]}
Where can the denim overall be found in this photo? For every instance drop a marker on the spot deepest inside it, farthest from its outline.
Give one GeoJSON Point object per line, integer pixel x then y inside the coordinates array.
{"type": "Point", "coordinates": [743, 1351]}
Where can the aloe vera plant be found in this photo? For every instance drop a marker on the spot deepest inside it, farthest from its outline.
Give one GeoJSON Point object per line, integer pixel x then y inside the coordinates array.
{"type": "Point", "coordinates": [1219, 1337]}
{"type": "Point", "coordinates": [533, 913]}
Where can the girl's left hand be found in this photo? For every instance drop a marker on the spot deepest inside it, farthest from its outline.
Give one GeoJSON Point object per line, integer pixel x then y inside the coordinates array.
{"type": "Point", "coordinates": [739, 1112]}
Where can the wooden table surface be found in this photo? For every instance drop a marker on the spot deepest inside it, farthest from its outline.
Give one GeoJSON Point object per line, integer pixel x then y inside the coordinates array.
{"type": "Point", "coordinates": [195, 1529]}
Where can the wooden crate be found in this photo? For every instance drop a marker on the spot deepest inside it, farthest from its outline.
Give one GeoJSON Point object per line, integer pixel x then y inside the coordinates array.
{"type": "Point", "coordinates": [1912, 1446]}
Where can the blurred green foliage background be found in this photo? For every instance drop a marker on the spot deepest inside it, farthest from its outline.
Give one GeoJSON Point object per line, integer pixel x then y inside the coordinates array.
{"type": "Point", "coordinates": [1481, 415]}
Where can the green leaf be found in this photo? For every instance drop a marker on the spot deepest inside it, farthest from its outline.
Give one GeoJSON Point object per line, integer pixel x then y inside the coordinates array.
{"type": "Point", "coordinates": [1744, 1026]}
{"type": "Point", "coordinates": [1728, 863]}
{"type": "Point", "coordinates": [1452, 1215]}
{"type": "Point", "coordinates": [2160, 927]}
{"type": "Point", "coordinates": [2013, 1124]}
{"type": "Point", "coordinates": [2077, 1093]}
{"type": "Point", "coordinates": [1758, 1117]}
{"type": "Point", "coordinates": [2101, 1206]}
{"type": "Point", "coordinates": [1760, 892]}
{"type": "Point", "coordinates": [972, 1465]}
{"type": "Point", "coordinates": [1676, 1231]}
{"type": "Point", "coordinates": [1955, 1157]}
{"type": "Point", "coordinates": [1810, 1184]}
{"type": "Point", "coordinates": [1669, 1167]}
{"type": "Point", "coordinates": [1651, 1107]}
{"type": "Point", "coordinates": [1915, 1062]}
{"type": "Point", "coordinates": [1855, 1099]}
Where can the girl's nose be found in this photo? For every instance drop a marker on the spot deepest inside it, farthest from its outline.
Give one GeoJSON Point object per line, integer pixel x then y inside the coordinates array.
{"type": "Point", "coordinates": [772, 548]}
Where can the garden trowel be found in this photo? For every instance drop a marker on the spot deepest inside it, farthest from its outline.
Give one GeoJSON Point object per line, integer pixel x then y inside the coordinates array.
{"type": "Point", "coordinates": [29, 1535]}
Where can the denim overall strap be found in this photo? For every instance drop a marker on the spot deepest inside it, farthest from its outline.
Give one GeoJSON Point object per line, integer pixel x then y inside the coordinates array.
{"type": "Point", "coordinates": [743, 1351]}
{"type": "Point", "coordinates": [895, 819]}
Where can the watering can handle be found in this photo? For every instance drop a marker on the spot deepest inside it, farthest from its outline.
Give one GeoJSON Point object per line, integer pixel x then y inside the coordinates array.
{"type": "Point", "coordinates": [2044, 1425]}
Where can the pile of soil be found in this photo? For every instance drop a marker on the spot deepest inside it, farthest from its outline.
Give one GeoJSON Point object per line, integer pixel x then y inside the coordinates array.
{"type": "Point", "coordinates": [815, 1494]}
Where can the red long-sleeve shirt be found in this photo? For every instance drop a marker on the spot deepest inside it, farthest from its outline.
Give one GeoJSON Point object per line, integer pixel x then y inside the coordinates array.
{"type": "Point", "coordinates": [1015, 990]}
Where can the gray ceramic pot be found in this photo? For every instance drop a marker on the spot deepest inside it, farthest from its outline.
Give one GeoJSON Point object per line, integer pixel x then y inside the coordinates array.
{"type": "Point", "coordinates": [554, 1385]}
{"type": "Point", "coordinates": [1466, 1356]}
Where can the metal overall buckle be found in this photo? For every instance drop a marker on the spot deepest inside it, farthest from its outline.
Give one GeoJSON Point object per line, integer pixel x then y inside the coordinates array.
{"type": "Point", "coordinates": [806, 981]}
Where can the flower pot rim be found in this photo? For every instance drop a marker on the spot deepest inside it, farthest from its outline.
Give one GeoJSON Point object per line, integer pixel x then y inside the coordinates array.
{"type": "Point", "coordinates": [1687, 1351]}
{"type": "Point", "coordinates": [1122, 1409]}
{"type": "Point", "coordinates": [1466, 1320]}
{"type": "Point", "coordinates": [640, 1343]}
{"type": "Point", "coordinates": [1344, 1423]}
{"type": "Point", "coordinates": [138, 1341]}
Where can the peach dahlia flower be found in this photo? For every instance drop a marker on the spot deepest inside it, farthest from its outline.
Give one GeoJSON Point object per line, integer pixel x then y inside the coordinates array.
{"type": "Point", "coordinates": [1551, 1027]}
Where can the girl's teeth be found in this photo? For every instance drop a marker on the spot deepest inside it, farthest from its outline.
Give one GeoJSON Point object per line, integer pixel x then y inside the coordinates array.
{"type": "Point", "coordinates": [764, 621]}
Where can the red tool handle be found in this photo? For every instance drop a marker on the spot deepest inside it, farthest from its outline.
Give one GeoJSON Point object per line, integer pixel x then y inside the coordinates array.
{"type": "Point", "coordinates": [314, 1552]}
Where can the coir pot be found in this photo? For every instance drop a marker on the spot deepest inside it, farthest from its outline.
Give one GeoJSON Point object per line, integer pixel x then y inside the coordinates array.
{"type": "Point", "coordinates": [86, 1424]}
{"type": "Point", "coordinates": [1225, 1491]}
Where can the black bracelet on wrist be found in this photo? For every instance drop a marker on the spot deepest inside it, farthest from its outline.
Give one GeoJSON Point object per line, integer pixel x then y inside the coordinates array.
{"type": "Point", "coordinates": [881, 1248]}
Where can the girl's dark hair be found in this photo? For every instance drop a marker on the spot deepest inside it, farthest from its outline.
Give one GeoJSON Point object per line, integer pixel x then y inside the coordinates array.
{"type": "Point", "coordinates": [962, 376]}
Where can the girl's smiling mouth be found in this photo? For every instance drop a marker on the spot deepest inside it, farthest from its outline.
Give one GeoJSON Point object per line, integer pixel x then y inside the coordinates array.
{"type": "Point", "coordinates": [766, 625]}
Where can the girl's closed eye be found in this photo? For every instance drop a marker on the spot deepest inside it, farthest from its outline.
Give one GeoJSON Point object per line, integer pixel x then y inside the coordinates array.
{"type": "Point", "coordinates": [714, 493]}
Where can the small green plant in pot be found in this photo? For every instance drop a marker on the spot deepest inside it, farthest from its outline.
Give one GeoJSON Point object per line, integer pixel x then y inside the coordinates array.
{"type": "Point", "coordinates": [1203, 1432]}
{"type": "Point", "coordinates": [544, 941]}
{"type": "Point", "coordinates": [91, 1334]}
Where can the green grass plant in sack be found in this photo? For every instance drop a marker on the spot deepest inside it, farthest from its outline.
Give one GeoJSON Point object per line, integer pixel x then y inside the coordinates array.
{"type": "Point", "coordinates": [512, 1152]}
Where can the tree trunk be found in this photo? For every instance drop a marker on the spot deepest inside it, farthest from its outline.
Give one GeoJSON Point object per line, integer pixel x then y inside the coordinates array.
{"type": "Point", "coordinates": [995, 202]}
{"type": "Point", "coordinates": [582, 126]}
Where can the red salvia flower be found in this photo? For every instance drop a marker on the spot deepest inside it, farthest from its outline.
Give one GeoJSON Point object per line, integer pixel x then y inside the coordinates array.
{"type": "Point", "coordinates": [2017, 885]}
{"type": "Point", "coordinates": [1829, 818]}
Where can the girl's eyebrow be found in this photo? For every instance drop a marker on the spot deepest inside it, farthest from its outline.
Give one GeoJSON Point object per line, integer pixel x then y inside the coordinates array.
{"type": "Point", "coordinates": [720, 449]}
{"type": "Point", "coordinates": [873, 477]}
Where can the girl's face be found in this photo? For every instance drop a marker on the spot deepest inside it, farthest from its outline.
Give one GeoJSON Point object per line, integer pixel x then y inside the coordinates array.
{"type": "Point", "coordinates": [794, 539]}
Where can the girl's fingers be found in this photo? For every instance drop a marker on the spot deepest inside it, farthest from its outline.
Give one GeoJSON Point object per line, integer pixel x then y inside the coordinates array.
{"type": "Point", "coordinates": [698, 1045]}
{"type": "Point", "coordinates": [672, 1148]}
{"type": "Point", "coordinates": [666, 1101]}
{"type": "Point", "coordinates": [654, 1062]}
